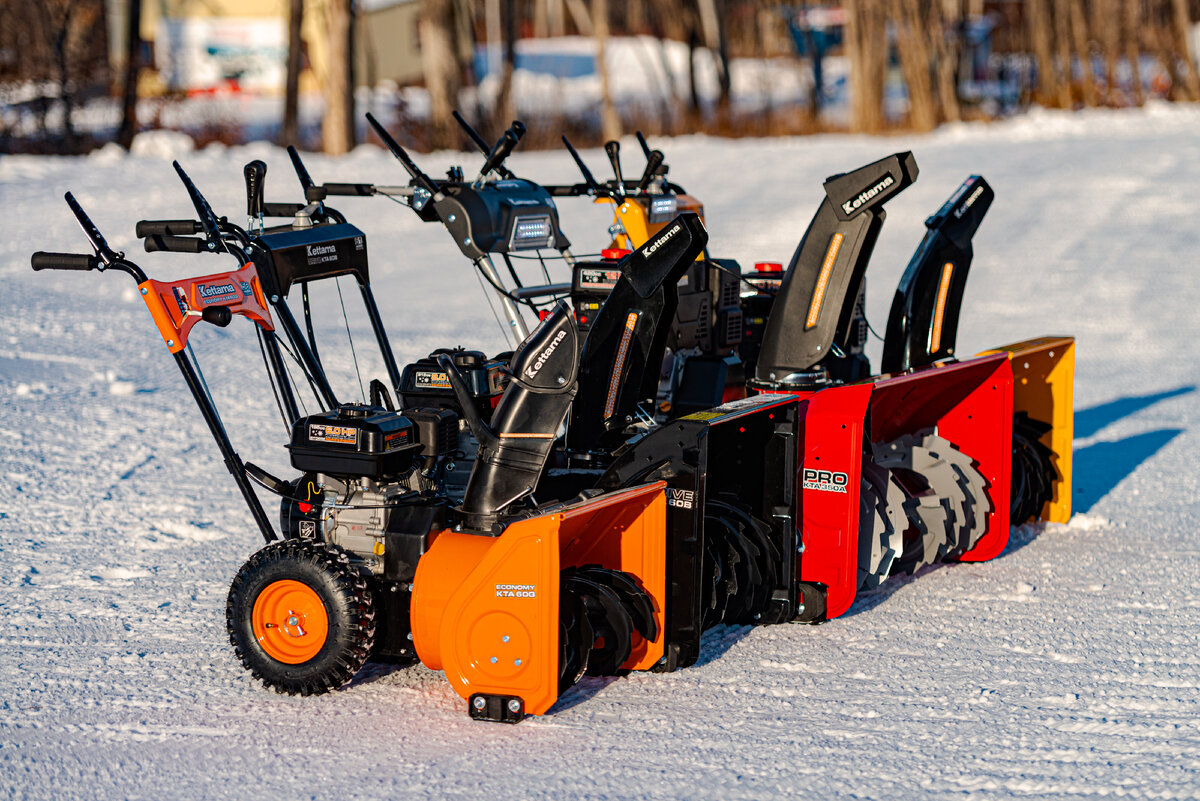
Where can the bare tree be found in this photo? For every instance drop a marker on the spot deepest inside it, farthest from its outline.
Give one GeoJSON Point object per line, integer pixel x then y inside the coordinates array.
{"type": "Point", "coordinates": [610, 121]}
{"type": "Point", "coordinates": [1083, 53]}
{"type": "Point", "coordinates": [1181, 26]}
{"type": "Point", "coordinates": [505, 108]}
{"type": "Point", "coordinates": [133, 65]}
{"type": "Point", "coordinates": [946, 47]}
{"type": "Point", "coordinates": [913, 34]}
{"type": "Point", "coordinates": [1133, 49]}
{"type": "Point", "coordinates": [1041, 36]}
{"type": "Point", "coordinates": [291, 101]}
{"type": "Point", "coordinates": [337, 122]}
{"type": "Point", "coordinates": [866, 48]}
{"type": "Point", "coordinates": [442, 77]}
{"type": "Point", "coordinates": [1062, 37]}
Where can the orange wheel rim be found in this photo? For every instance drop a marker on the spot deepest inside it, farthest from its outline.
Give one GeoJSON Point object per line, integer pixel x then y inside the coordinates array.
{"type": "Point", "coordinates": [290, 621]}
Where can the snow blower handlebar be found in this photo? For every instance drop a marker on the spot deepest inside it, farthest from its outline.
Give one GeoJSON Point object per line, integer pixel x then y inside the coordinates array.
{"type": "Point", "coordinates": [175, 308]}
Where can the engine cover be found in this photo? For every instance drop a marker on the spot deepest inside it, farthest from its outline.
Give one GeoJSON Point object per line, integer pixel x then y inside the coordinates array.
{"type": "Point", "coordinates": [354, 440]}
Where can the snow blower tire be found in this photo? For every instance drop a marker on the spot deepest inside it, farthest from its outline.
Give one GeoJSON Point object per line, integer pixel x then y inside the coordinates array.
{"type": "Point", "coordinates": [300, 618]}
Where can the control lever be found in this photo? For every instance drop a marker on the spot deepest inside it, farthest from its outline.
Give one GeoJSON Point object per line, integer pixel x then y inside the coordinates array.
{"type": "Point", "coordinates": [474, 136]}
{"type": "Point", "coordinates": [588, 178]}
{"type": "Point", "coordinates": [653, 161]}
{"type": "Point", "coordinates": [613, 149]}
{"type": "Point", "coordinates": [501, 150]}
{"type": "Point", "coordinates": [420, 179]}
{"type": "Point", "coordinates": [645, 147]}
{"type": "Point", "coordinates": [312, 192]}
{"type": "Point", "coordinates": [256, 174]}
{"type": "Point", "coordinates": [208, 218]}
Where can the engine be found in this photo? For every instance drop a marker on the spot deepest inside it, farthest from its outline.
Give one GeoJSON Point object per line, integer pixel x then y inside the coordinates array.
{"type": "Point", "coordinates": [373, 483]}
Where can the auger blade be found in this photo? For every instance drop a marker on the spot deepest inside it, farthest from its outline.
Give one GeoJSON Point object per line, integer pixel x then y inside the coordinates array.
{"type": "Point", "coordinates": [931, 517]}
{"type": "Point", "coordinates": [632, 596]}
{"type": "Point", "coordinates": [575, 638]}
{"type": "Point", "coordinates": [611, 623]}
{"type": "Point", "coordinates": [887, 523]}
{"type": "Point", "coordinates": [764, 555]}
{"type": "Point", "coordinates": [974, 486]}
{"type": "Point", "coordinates": [1033, 471]}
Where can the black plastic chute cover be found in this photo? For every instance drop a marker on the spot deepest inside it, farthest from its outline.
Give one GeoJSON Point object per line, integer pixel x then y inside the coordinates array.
{"type": "Point", "coordinates": [908, 339]}
{"type": "Point", "coordinates": [815, 303]}
{"type": "Point", "coordinates": [514, 448]}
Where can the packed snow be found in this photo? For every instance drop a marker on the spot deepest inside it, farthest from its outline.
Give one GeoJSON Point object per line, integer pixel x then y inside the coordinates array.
{"type": "Point", "coordinates": [1067, 667]}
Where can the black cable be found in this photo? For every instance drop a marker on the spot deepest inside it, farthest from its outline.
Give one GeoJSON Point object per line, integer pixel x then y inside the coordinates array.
{"type": "Point", "coordinates": [262, 349]}
{"type": "Point", "coordinates": [346, 319]}
{"type": "Point", "coordinates": [312, 385]}
{"type": "Point", "coordinates": [312, 339]}
{"type": "Point", "coordinates": [512, 271]}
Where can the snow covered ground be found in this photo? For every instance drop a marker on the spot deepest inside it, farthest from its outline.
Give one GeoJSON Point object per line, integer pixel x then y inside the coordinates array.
{"type": "Point", "coordinates": [1067, 667]}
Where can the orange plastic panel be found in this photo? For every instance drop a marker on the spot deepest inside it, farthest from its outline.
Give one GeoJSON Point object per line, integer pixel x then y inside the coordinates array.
{"type": "Point", "coordinates": [498, 633]}
{"type": "Point", "coordinates": [624, 531]}
{"type": "Point", "coordinates": [1044, 388]}
{"type": "Point", "coordinates": [176, 306]}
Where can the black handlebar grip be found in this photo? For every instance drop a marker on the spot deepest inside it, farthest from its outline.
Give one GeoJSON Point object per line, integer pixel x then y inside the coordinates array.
{"type": "Point", "coordinates": [613, 149]}
{"type": "Point", "coordinates": [518, 128]}
{"type": "Point", "coordinates": [653, 162]}
{"type": "Point", "coordinates": [352, 190]}
{"type": "Point", "coordinates": [147, 228]}
{"type": "Point", "coordinates": [256, 174]}
{"type": "Point", "coordinates": [175, 244]}
{"type": "Point", "coordinates": [500, 152]}
{"type": "Point", "coordinates": [281, 209]}
{"type": "Point", "coordinates": [63, 261]}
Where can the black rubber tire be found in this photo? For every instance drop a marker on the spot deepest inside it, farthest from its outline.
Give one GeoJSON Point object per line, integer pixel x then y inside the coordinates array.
{"type": "Point", "coordinates": [348, 605]}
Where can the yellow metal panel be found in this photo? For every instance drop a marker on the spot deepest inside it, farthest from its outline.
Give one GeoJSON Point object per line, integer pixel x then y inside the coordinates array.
{"type": "Point", "coordinates": [1044, 388]}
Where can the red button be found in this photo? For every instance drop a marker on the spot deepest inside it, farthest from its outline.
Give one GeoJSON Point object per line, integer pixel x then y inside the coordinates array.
{"type": "Point", "coordinates": [768, 266]}
{"type": "Point", "coordinates": [614, 253]}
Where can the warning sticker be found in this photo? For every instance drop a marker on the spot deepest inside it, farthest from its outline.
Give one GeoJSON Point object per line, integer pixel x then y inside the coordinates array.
{"type": "Point", "coordinates": [396, 439]}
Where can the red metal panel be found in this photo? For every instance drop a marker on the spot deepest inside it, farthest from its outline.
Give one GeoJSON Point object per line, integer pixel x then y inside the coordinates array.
{"type": "Point", "coordinates": [970, 404]}
{"type": "Point", "coordinates": [831, 432]}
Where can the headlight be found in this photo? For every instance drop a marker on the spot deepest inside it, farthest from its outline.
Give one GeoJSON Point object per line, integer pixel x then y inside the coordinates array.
{"type": "Point", "coordinates": [663, 209]}
{"type": "Point", "coordinates": [530, 232]}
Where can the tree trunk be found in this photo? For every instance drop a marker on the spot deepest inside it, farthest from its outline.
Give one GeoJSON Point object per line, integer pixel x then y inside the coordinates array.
{"type": "Point", "coordinates": [1062, 36]}
{"type": "Point", "coordinates": [133, 51]}
{"type": "Point", "coordinates": [291, 99]}
{"type": "Point", "coordinates": [610, 121]}
{"type": "Point", "coordinates": [334, 126]}
{"type": "Point", "coordinates": [866, 47]}
{"type": "Point", "coordinates": [1040, 41]}
{"type": "Point", "coordinates": [1106, 20]}
{"type": "Point", "coordinates": [946, 54]}
{"type": "Point", "coordinates": [1183, 29]}
{"type": "Point", "coordinates": [1133, 47]}
{"type": "Point", "coordinates": [505, 110]}
{"type": "Point", "coordinates": [1079, 36]}
{"type": "Point", "coordinates": [441, 69]}
{"type": "Point", "coordinates": [913, 46]}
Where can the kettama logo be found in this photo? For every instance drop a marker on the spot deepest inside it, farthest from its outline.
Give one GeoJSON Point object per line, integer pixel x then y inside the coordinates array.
{"type": "Point", "coordinates": [211, 292]}
{"type": "Point", "coordinates": [658, 243]}
{"type": "Point", "coordinates": [533, 369]}
{"type": "Point", "coordinates": [961, 210]}
{"type": "Point", "coordinates": [321, 250]}
{"type": "Point", "coordinates": [825, 481]}
{"type": "Point", "coordinates": [855, 203]}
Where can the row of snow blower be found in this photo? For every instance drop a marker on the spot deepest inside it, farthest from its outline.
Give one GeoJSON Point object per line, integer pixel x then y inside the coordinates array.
{"type": "Point", "coordinates": [673, 444]}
